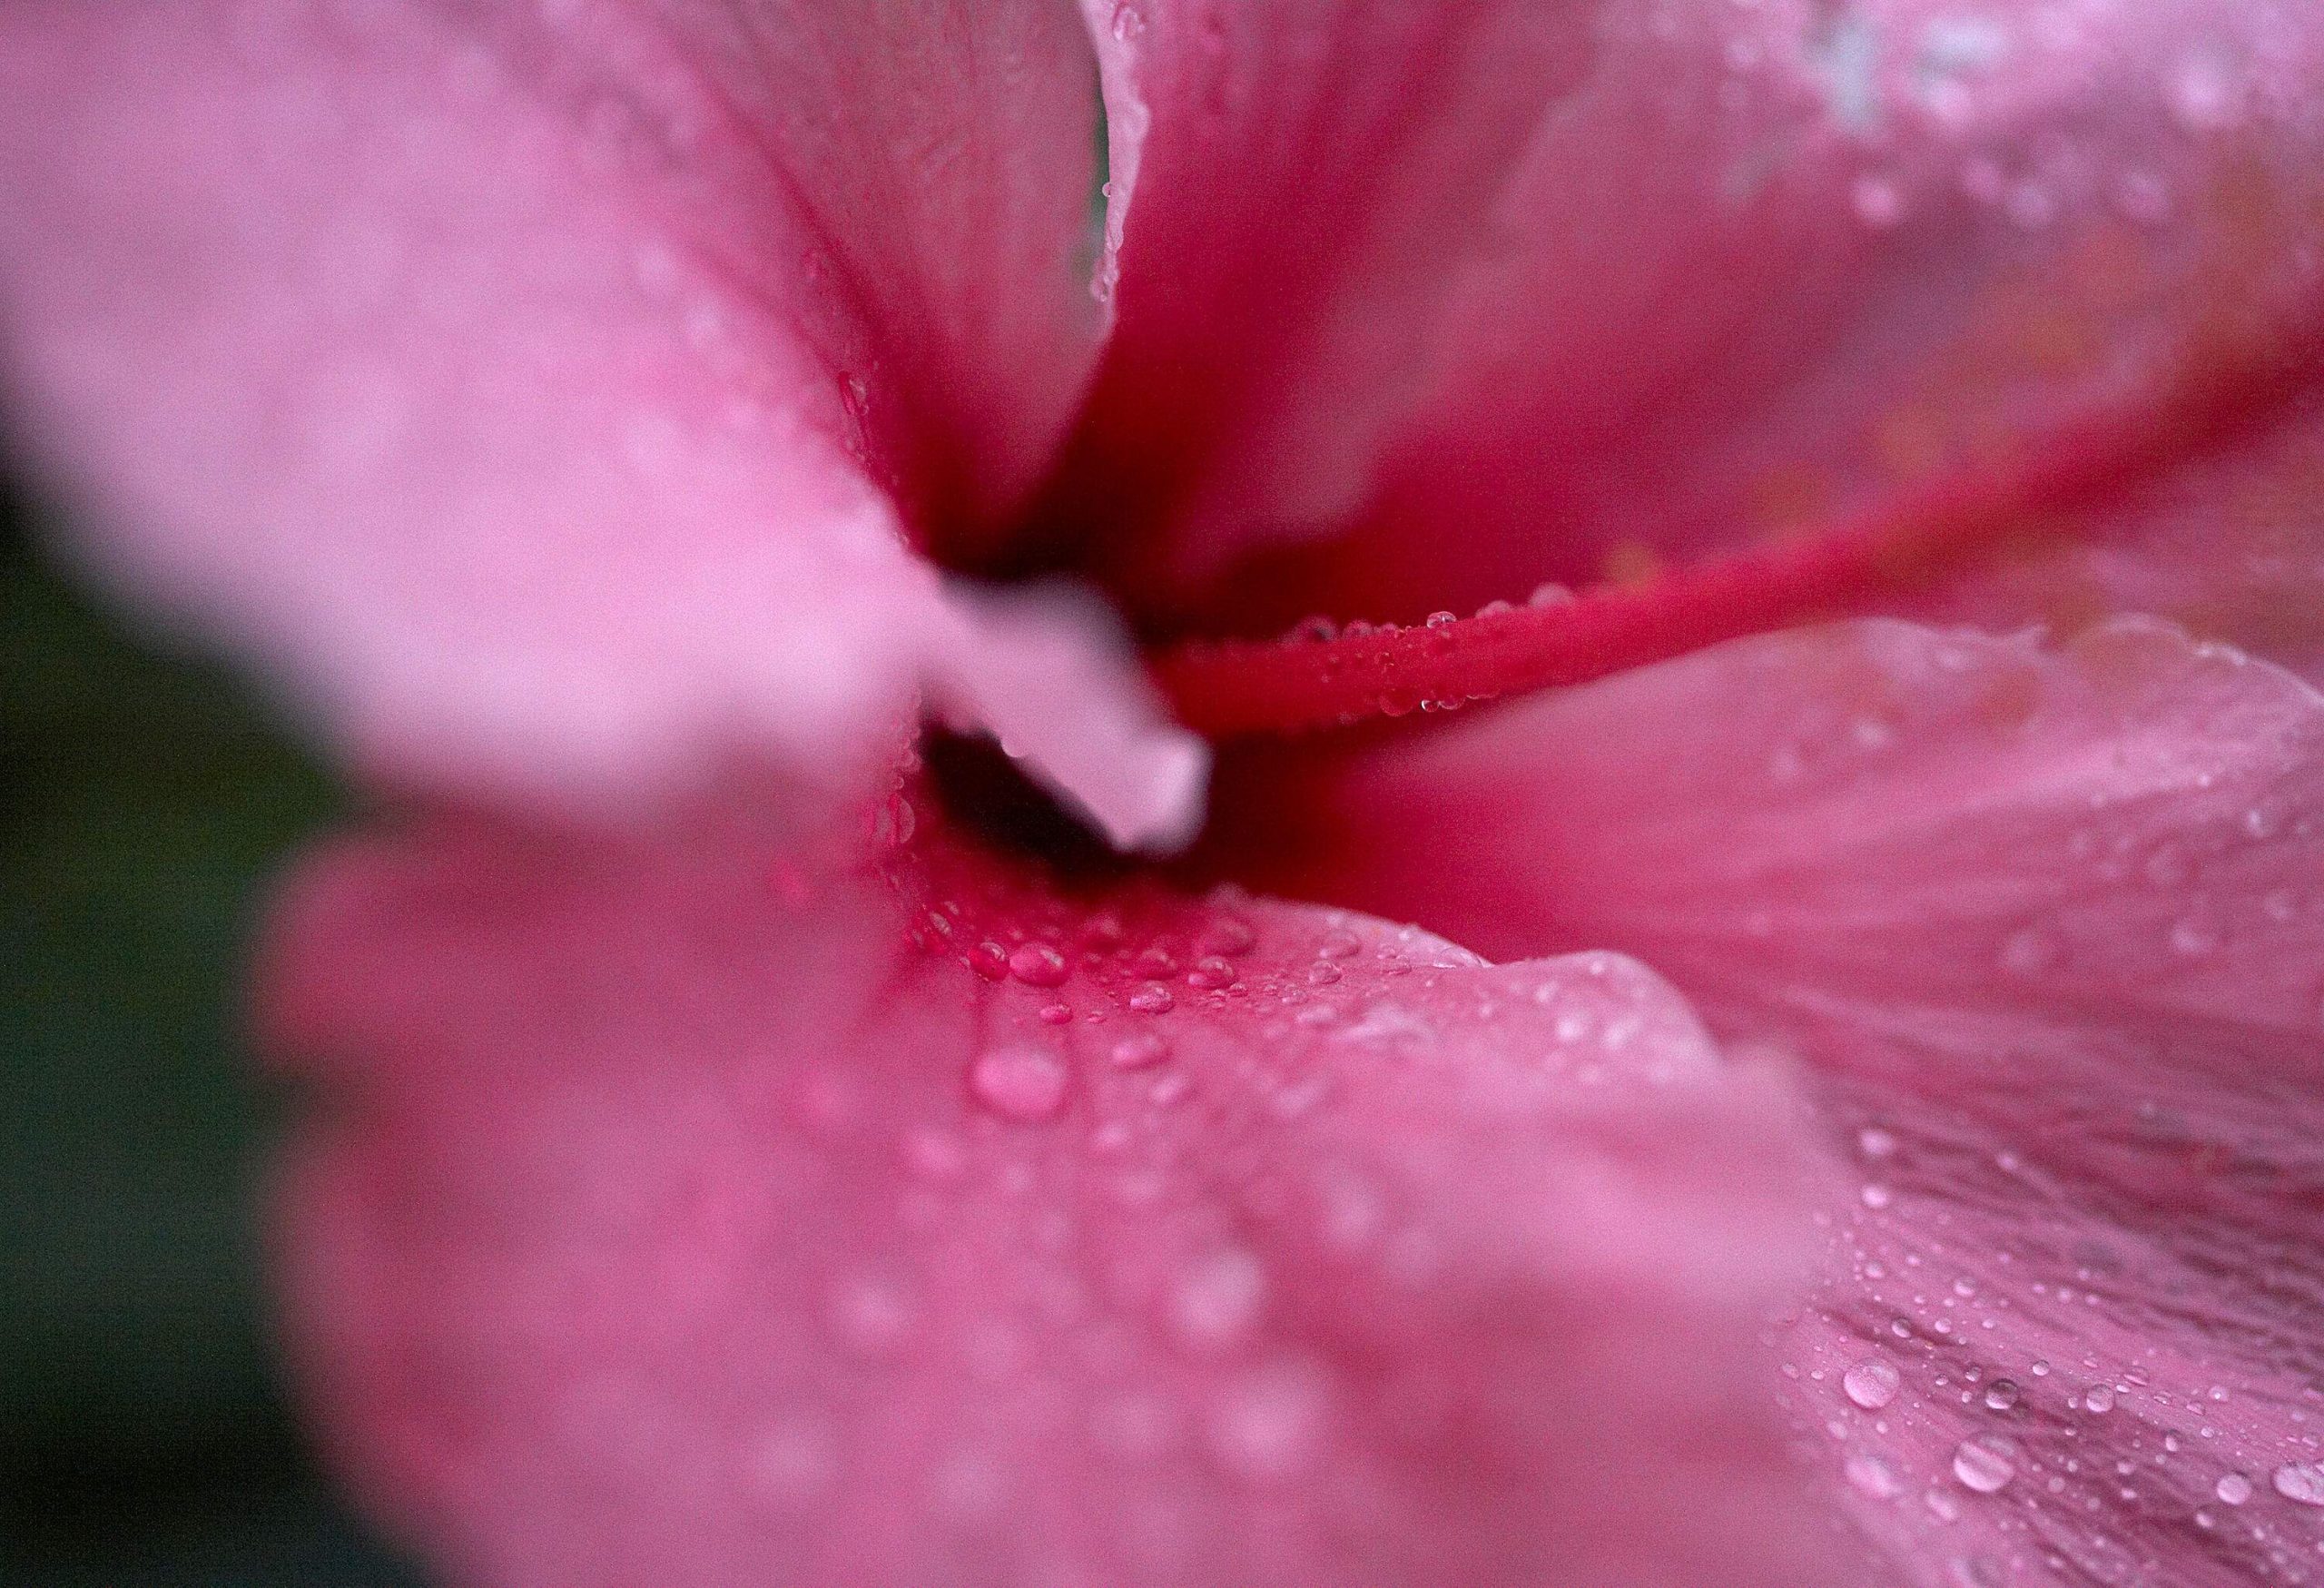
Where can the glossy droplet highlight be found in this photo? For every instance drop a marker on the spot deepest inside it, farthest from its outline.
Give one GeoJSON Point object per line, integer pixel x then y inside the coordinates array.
{"type": "Point", "coordinates": [1152, 998]}
{"type": "Point", "coordinates": [2232, 1489]}
{"type": "Point", "coordinates": [1871, 1385]}
{"type": "Point", "coordinates": [1211, 973]}
{"type": "Point", "coordinates": [1039, 964]}
{"type": "Point", "coordinates": [1021, 1083]}
{"type": "Point", "coordinates": [1269, 1424]}
{"type": "Point", "coordinates": [1217, 1301]}
{"type": "Point", "coordinates": [2001, 1395]}
{"type": "Point", "coordinates": [2300, 1482]}
{"type": "Point", "coordinates": [1870, 1474]}
{"type": "Point", "coordinates": [1983, 1467]}
{"type": "Point", "coordinates": [1139, 1052]}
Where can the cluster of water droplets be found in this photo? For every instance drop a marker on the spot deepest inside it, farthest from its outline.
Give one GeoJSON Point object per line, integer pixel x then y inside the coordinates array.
{"type": "Point", "coordinates": [2081, 1456]}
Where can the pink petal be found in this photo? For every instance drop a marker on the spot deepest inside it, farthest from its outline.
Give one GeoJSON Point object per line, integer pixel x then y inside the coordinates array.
{"type": "Point", "coordinates": [1749, 266]}
{"type": "Point", "coordinates": [1290, 185]}
{"type": "Point", "coordinates": [2043, 926]}
{"type": "Point", "coordinates": [2231, 546]}
{"type": "Point", "coordinates": [526, 386]}
{"type": "Point", "coordinates": [659, 1226]}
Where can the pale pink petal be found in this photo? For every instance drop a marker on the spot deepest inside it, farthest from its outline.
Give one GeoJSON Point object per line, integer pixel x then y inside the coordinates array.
{"type": "Point", "coordinates": [688, 1216]}
{"type": "Point", "coordinates": [2044, 929]}
{"type": "Point", "coordinates": [1751, 266]}
{"type": "Point", "coordinates": [539, 391]}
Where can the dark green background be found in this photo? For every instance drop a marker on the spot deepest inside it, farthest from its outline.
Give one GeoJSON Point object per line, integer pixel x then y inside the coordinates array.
{"type": "Point", "coordinates": [143, 802]}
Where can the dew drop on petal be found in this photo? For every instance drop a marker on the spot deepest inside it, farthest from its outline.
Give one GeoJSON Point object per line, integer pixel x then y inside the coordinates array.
{"type": "Point", "coordinates": [2001, 1395]}
{"type": "Point", "coordinates": [2099, 1398]}
{"type": "Point", "coordinates": [1270, 1424]}
{"type": "Point", "coordinates": [1218, 1300]}
{"type": "Point", "coordinates": [2300, 1482]}
{"type": "Point", "coordinates": [1039, 964]}
{"type": "Point", "coordinates": [1878, 201]}
{"type": "Point", "coordinates": [2233, 1489]}
{"type": "Point", "coordinates": [1228, 935]}
{"type": "Point", "coordinates": [1019, 1082]}
{"type": "Point", "coordinates": [2029, 953]}
{"type": "Point", "coordinates": [1152, 998]}
{"type": "Point", "coordinates": [1983, 1466]}
{"type": "Point", "coordinates": [1139, 1052]}
{"type": "Point", "coordinates": [1871, 1475]}
{"type": "Point", "coordinates": [1871, 1385]}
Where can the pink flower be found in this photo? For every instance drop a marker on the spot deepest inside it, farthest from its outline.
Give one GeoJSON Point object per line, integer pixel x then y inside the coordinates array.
{"type": "Point", "coordinates": [737, 1159]}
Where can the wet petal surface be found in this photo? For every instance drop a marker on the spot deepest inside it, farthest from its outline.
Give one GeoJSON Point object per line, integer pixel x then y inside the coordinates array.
{"type": "Point", "coordinates": [1749, 269]}
{"type": "Point", "coordinates": [2041, 927]}
{"type": "Point", "coordinates": [931, 1228]}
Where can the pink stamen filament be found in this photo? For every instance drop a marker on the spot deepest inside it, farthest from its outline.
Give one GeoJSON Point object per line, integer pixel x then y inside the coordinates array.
{"type": "Point", "coordinates": [1227, 689]}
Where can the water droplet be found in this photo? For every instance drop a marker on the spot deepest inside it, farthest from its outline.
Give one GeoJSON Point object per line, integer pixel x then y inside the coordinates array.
{"type": "Point", "coordinates": [2194, 936]}
{"type": "Point", "coordinates": [2203, 94]}
{"type": "Point", "coordinates": [1871, 1475]}
{"type": "Point", "coordinates": [1875, 1143]}
{"type": "Point", "coordinates": [1218, 1300]}
{"type": "Point", "coordinates": [1157, 961]}
{"type": "Point", "coordinates": [1139, 1052]}
{"type": "Point", "coordinates": [2001, 1395]}
{"type": "Point", "coordinates": [1878, 201]}
{"type": "Point", "coordinates": [2099, 1398]}
{"type": "Point", "coordinates": [1020, 1082]}
{"type": "Point", "coordinates": [1269, 1424]}
{"type": "Point", "coordinates": [933, 1155]}
{"type": "Point", "coordinates": [1152, 998]}
{"type": "Point", "coordinates": [1339, 945]}
{"type": "Point", "coordinates": [1228, 934]}
{"type": "Point", "coordinates": [2029, 953]}
{"type": "Point", "coordinates": [870, 1315]}
{"type": "Point", "coordinates": [989, 961]}
{"type": "Point", "coordinates": [1039, 964]}
{"type": "Point", "coordinates": [1871, 1384]}
{"type": "Point", "coordinates": [793, 1462]}
{"type": "Point", "coordinates": [1211, 973]}
{"type": "Point", "coordinates": [2300, 1482]}
{"type": "Point", "coordinates": [1550, 594]}
{"type": "Point", "coordinates": [1875, 1196]}
{"type": "Point", "coordinates": [1983, 1467]}
{"type": "Point", "coordinates": [1441, 620]}
{"type": "Point", "coordinates": [2232, 1489]}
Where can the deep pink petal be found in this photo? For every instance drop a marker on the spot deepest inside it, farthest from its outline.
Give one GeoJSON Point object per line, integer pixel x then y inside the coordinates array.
{"type": "Point", "coordinates": [2043, 927]}
{"type": "Point", "coordinates": [664, 1223]}
{"type": "Point", "coordinates": [1748, 268]}
{"type": "Point", "coordinates": [1291, 186]}
{"type": "Point", "coordinates": [536, 388]}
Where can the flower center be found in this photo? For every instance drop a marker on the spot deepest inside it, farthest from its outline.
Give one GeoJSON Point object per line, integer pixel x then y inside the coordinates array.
{"type": "Point", "coordinates": [2030, 490]}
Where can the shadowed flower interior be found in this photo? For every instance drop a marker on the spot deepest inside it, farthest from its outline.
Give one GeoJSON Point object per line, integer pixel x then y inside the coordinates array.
{"type": "Point", "coordinates": [1879, 1146]}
